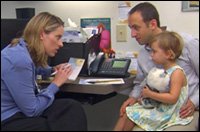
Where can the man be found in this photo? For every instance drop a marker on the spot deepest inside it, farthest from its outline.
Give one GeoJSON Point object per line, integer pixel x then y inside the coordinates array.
{"type": "Point", "coordinates": [144, 23]}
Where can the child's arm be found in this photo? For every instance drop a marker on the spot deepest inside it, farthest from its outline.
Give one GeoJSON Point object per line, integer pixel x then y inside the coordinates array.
{"type": "Point", "coordinates": [178, 80]}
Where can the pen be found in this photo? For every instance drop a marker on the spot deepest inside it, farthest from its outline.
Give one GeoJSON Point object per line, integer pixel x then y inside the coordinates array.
{"type": "Point", "coordinates": [94, 82]}
{"type": "Point", "coordinates": [62, 68]}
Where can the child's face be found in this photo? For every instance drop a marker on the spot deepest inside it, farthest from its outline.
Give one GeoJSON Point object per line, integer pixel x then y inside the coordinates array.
{"type": "Point", "coordinates": [158, 55]}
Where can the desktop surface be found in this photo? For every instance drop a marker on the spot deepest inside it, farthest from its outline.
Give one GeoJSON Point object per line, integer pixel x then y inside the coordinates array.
{"type": "Point", "coordinates": [91, 94]}
{"type": "Point", "coordinates": [103, 89]}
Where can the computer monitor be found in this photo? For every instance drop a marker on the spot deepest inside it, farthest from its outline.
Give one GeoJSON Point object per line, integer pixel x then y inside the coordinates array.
{"type": "Point", "coordinates": [10, 29]}
{"type": "Point", "coordinates": [92, 48]}
{"type": "Point", "coordinates": [77, 50]}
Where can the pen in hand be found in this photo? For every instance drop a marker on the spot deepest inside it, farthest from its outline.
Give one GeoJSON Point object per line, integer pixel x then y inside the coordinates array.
{"type": "Point", "coordinates": [62, 68]}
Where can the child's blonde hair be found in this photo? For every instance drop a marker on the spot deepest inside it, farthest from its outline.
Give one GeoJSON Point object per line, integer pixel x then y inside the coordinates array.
{"type": "Point", "coordinates": [169, 41]}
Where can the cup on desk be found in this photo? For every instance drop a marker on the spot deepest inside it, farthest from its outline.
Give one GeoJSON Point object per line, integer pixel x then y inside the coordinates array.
{"type": "Point", "coordinates": [38, 79]}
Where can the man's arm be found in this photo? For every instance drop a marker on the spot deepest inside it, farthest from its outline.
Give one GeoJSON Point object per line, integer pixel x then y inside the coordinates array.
{"type": "Point", "coordinates": [189, 61]}
{"type": "Point", "coordinates": [193, 51]}
{"type": "Point", "coordinates": [138, 83]}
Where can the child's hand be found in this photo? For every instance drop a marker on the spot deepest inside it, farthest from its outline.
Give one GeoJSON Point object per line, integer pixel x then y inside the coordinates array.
{"type": "Point", "coordinates": [140, 101]}
{"type": "Point", "coordinates": [145, 92]}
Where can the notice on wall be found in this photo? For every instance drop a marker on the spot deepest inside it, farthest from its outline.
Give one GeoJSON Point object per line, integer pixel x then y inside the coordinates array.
{"type": "Point", "coordinates": [123, 8]}
{"type": "Point", "coordinates": [94, 22]}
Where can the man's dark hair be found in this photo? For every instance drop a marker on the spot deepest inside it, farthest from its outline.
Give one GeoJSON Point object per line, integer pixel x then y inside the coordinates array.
{"type": "Point", "coordinates": [148, 12]}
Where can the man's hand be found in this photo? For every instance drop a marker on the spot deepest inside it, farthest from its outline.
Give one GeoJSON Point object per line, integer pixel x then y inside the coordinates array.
{"type": "Point", "coordinates": [187, 110]}
{"type": "Point", "coordinates": [128, 102]}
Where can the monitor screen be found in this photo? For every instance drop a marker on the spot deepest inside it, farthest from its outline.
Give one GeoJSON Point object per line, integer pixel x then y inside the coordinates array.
{"type": "Point", "coordinates": [119, 64]}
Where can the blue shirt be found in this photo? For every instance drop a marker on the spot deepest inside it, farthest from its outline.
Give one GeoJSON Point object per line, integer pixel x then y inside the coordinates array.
{"type": "Point", "coordinates": [18, 84]}
{"type": "Point", "coordinates": [189, 61]}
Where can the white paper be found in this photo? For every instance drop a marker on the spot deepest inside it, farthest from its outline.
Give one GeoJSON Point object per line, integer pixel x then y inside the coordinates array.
{"type": "Point", "coordinates": [123, 9]}
{"type": "Point", "coordinates": [77, 65]}
{"type": "Point", "coordinates": [70, 36]}
{"type": "Point", "coordinates": [133, 65]}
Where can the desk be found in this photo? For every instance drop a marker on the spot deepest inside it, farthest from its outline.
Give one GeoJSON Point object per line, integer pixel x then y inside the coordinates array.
{"type": "Point", "coordinates": [75, 87]}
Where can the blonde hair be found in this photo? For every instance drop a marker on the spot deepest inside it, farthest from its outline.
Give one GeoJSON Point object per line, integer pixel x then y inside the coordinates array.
{"type": "Point", "coordinates": [169, 41]}
{"type": "Point", "coordinates": [31, 35]}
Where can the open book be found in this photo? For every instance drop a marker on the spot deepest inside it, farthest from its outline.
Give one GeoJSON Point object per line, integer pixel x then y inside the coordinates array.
{"type": "Point", "coordinates": [77, 65]}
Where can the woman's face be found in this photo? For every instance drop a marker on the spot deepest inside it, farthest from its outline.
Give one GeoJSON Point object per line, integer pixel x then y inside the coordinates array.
{"type": "Point", "coordinates": [52, 41]}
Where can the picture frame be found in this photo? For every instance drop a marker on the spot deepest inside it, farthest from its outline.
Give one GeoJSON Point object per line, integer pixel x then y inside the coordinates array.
{"type": "Point", "coordinates": [188, 6]}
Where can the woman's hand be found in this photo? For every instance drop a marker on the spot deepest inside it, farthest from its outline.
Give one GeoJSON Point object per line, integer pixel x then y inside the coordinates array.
{"type": "Point", "coordinates": [55, 68]}
{"type": "Point", "coordinates": [62, 75]}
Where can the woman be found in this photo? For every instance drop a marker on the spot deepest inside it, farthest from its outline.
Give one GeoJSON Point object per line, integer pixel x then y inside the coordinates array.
{"type": "Point", "coordinates": [22, 106]}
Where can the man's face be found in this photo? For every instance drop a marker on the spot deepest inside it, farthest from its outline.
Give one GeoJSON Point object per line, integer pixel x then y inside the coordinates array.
{"type": "Point", "coordinates": [139, 29]}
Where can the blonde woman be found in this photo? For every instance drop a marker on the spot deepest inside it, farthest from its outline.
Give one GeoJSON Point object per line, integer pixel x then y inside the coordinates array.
{"type": "Point", "coordinates": [23, 107]}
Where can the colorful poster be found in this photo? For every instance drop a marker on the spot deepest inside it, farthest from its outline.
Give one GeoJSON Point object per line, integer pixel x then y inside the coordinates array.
{"type": "Point", "coordinates": [94, 22]}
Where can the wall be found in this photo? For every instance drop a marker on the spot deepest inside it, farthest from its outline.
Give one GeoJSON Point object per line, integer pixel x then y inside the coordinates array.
{"type": "Point", "coordinates": [170, 15]}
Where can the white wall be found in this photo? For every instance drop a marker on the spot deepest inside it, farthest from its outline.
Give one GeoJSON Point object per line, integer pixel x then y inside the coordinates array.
{"type": "Point", "coordinates": [170, 15]}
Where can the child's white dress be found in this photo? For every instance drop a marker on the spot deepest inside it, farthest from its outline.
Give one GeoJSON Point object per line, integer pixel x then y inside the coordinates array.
{"type": "Point", "coordinates": [162, 116]}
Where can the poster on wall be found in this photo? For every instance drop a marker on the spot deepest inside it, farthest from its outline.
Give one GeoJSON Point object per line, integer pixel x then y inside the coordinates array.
{"type": "Point", "coordinates": [94, 22]}
{"type": "Point", "coordinates": [123, 8]}
{"type": "Point", "coordinates": [190, 6]}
